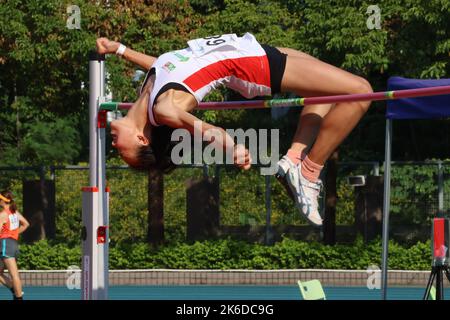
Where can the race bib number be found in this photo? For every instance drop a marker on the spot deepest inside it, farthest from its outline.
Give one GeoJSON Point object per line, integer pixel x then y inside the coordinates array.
{"type": "Point", "coordinates": [203, 46]}
{"type": "Point", "coordinates": [13, 221]}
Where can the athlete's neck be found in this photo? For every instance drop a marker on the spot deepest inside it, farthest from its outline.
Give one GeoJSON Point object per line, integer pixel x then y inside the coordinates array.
{"type": "Point", "coordinates": [138, 112]}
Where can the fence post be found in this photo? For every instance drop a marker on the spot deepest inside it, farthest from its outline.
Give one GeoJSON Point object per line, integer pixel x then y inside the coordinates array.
{"type": "Point", "coordinates": [329, 223]}
{"type": "Point", "coordinates": [269, 239]}
{"type": "Point", "coordinates": [155, 231]}
{"type": "Point", "coordinates": [202, 208]}
{"type": "Point", "coordinates": [39, 208]}
{"type": "Point", "coordinates": [440, 188]}
{"type": "Point", "coordinates": [368, 207]}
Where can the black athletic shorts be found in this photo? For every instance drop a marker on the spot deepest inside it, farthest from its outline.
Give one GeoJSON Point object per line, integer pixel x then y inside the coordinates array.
{"type": "Point", "coordinates": [277, 65]}
{"type": "Point", "coordinates": [9, 248]}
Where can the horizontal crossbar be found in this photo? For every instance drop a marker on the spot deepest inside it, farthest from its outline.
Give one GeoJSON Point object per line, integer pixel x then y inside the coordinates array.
{"type": "Point", "coordinates": [298, 102]}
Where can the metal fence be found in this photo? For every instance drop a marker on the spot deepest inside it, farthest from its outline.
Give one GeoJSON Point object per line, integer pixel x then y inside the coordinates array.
{"type": "Point", "coordinates": [420, 190]}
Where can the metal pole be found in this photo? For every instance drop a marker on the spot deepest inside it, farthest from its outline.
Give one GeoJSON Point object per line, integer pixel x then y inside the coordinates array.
{"type": "Point", "coordinates": [440, 188]}
{"type": "Point", "coordinates": [205, 170]}
{"type": "Point", "coordinates": [268, 210]}
{"type": "Point", "coordinates": [96, 63]}
{"type": "Point", "coordinates": [386, 207]}
{"type": "Point", "coordinates": [439, 282]}
{"type": "Point", "coordinates": [95, 197]}
{"type": "Point", "coordinates": [102, 239]}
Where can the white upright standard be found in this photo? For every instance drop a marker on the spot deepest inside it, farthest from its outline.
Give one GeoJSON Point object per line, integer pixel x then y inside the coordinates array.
{"type": "Point", "coordinates": [95, 233]}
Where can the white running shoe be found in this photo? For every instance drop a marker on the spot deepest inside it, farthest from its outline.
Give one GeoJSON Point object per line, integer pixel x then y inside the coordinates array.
{"type": "Point", "coordinates": [305, 193]}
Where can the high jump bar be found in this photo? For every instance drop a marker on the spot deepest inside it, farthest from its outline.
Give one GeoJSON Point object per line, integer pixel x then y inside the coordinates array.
{"type": "Point", "coordinates": [299, 102]}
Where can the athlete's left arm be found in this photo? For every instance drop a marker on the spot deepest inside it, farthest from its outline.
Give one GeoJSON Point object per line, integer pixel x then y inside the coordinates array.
{"type": "Point", "coordinates": [24, 224]}
{"type": "Point", "coordinates": [168, 114]}
{"type": "Point", "coordinates": [104, 46]}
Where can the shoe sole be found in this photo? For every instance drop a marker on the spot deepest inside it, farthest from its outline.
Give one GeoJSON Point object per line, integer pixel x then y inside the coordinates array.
{"type": "Point", "coordinates": [283, 182]}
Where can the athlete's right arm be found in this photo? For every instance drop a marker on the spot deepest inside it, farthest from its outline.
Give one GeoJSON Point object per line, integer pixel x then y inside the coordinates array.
{"type": "Point", "coordinates": [3, 218]}
{"type": "Point", "coordinates": [105, 46]}
{"type": "Point", "coordinates": [166, 113]}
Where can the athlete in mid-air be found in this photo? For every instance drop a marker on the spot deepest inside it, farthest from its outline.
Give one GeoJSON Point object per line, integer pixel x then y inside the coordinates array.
{"type": "Point", "coordinates": [178, 80]}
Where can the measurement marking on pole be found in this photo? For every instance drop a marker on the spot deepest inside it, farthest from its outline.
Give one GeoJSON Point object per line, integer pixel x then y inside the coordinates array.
{"type": "Point", "coordinates": [86, 273]}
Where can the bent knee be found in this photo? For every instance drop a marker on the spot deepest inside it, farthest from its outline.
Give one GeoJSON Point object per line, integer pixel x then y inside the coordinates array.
{"type": "Point", "coordinates": [363, 87]}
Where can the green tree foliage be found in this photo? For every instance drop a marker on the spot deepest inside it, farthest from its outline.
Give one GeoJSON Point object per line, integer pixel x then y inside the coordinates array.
{"type": "Point", "coordinates": [42, 66]}
{"type": "Point", "coordinates": [54, 142]}
{"type": "Point", "coordinates": [43, 63]}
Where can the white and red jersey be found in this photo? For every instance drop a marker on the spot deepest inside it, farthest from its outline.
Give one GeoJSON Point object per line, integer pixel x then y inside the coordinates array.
{"type": "Point", "coordinates": [11, 228]}
{"type": "Point", "coordinates": [239, 63]}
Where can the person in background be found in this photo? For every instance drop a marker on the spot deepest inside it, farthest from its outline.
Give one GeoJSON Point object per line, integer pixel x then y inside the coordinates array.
{"type": "Point", "coordinates": [12, 223]}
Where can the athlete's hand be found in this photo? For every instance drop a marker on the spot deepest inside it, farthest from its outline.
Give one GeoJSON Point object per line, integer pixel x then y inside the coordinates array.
{"type": "Point", "coordinates": [241, 157]}
{"type": "Point", "coordinates": [104, 46]}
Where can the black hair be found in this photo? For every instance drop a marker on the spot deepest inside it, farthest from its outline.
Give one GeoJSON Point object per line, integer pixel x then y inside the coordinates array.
{"type": "Point", "coordinates": [8, 195]}
{"type": "Point", "coordinates": [158, 153]}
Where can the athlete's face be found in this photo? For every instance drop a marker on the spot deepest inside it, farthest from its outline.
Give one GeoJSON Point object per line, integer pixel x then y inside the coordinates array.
{"type": "Point", "coordinates": [126, 139]}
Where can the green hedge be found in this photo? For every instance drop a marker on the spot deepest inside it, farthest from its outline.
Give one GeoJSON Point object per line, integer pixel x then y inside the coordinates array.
{"type": "Point", "coordinates": [231, 254]}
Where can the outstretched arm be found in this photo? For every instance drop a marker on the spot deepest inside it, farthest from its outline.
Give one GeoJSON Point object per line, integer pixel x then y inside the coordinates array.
{"type": "Point", "coordinates": [105, 46]}
{"type": "Point", "coordinates": [168, 114]}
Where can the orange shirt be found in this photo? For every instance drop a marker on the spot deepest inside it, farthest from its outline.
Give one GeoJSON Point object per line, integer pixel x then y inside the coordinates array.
{"type": "Point", "coordinates": [11, 228]}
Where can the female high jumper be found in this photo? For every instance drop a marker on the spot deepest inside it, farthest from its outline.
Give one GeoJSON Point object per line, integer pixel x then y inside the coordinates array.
{"type": "Point", "coordinates": [177, 81]}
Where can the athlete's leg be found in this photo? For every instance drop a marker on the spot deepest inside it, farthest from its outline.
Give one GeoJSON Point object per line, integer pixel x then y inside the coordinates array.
{"type": "Point", "coordinates": [11, 265]}
{"type": "Point", "coordinates": [308, 76]}
{"type": "Point", "coordinates": [305, 135]}
{"type": "Point", "coordinates": [308, 127]}
{"type": "Point", "coordinates": [305, 76]}
{"type": "Point", "coordinates": [4, 279]}
{"type": "Point", "coordinates": [311, 116]}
